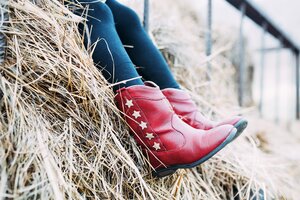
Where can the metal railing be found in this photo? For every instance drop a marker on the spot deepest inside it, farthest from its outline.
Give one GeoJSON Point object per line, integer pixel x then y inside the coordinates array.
{"type": "Point", "coordinates": [268, 26]}
{"type": "Point", "coordinates": [146, 15]}
{"type": "Point", "coordinates": [248, 9]}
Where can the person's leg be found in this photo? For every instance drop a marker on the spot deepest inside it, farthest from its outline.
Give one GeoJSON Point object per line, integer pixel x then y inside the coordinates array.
{"type": "Point", "coordinates": [109, 54]}
{"type": "Point", "coordinates": [153, 67]}
{"type": "Point", "coordinates": [150, 62]}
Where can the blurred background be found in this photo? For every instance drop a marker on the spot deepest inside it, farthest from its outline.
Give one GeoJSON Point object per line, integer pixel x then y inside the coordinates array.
{"type": "Point", "coordinates": [279, 78]}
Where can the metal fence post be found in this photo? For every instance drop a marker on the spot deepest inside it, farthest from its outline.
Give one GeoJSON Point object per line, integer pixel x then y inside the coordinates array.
{"type": "Point", "coordinates": [262, 70]}
{"type": "Point", "coordinates": [3, 20]}
{"type": "Point", "coordinates": [208, 36]}
{"type": "Point", "coordinates": [241, 54]}
{"type": "Point", "coordinates": [277, 81]}
{"type": "Point", "coordinates": [297, 86]}
{"type": "Point", "coordinates": [146, 15]}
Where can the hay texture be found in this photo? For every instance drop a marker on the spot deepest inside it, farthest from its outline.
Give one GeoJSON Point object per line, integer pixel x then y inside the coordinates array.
{"type": "Point", "coordinates": [62, 136]}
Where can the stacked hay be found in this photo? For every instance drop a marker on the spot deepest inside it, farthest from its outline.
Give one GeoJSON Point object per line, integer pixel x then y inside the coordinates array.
{"type": "Point", "coordinates": [62, 137]}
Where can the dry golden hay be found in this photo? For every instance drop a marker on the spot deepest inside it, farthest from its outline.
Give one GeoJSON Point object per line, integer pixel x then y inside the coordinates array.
{"type": "Point", "coordinates": [62, 137]}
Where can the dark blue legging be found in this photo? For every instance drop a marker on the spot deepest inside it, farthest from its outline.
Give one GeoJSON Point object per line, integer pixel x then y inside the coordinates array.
{"type": "Point", "coordinates": [114, 25]}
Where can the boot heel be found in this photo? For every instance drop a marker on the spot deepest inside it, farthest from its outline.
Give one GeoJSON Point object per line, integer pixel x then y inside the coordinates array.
{"type": "Point", "coordinates": [163, 172]}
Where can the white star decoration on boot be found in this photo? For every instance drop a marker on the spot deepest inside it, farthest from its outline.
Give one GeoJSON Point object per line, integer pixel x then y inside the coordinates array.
{"type": "Point", "coordinates": [136, 114]}
{"type": "Point", "coordinates": [143, 125]}
{"type": "Point", "coordinates": [149, 136]}
{"type": "Point", "coordinates": [129, 103]}
{"type": "Point", "coordinates": [156, 146]}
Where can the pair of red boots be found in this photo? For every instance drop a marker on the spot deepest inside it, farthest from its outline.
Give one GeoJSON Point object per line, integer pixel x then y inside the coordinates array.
{"type": "Point", "coordinates": [170, 130]}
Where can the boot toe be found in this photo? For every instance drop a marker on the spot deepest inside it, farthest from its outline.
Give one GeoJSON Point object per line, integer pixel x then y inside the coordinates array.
{"type": "Point", "coordinates": [232, 121]}
{"type": "Point", "coordinates": [217, 136]}
{"type": "Point", "coordinates": [238, 122]}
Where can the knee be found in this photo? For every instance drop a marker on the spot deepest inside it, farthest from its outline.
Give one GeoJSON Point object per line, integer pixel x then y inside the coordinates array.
{"type": "Point", "coordinates": [130, 19]}
{"type": "Point", "coordinates": [96, 12]}
{"type": "Point", "coordinates": [125, 18]}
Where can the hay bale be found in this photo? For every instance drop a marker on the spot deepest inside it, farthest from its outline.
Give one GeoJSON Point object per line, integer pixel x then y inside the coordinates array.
{"type": "Point", "coordinates": [62, 136]}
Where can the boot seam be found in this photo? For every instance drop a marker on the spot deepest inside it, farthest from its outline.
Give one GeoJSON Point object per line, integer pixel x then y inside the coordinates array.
{"type": "Point", "coordinates": [173, 150]}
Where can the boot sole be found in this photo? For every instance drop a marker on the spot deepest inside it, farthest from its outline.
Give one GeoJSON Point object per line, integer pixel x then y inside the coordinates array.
{"type": "Point", "coordinates": [240, 126]}
{"type": "Point", "coordinates": [159, 173]}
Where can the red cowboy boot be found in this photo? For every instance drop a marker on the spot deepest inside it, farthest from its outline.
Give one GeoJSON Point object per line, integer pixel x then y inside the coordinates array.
{"type": "Point", "coordinates": [185, 107]}
{"type": "Point", "coordinates": [169, 142]}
